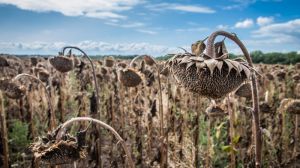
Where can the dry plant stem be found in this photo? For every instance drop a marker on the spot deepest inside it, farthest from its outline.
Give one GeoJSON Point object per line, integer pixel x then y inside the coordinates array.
{"type": "Point", "coordinates": [102, 124]}
{"type": "Point", "coordinates": [96, 88]}
{"type": "Point", "coordinates": [255, 110]}
{"type": "Point", "coordinates": [4, 133]}
{"type": "Point", "coordinates": [52, 117]}
{"type": "Point", "coordinates": [164, 157]}
{"type": "Point", "coordinates": [197, 162]}
{"type": "Point", "coordinates": [296, 135]}
{"type": "Point", "coordinates": [231, 122]}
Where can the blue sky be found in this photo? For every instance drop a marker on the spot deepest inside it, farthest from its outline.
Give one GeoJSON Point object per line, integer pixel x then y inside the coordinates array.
{"type": "Point", "coordinates": [153, 27]}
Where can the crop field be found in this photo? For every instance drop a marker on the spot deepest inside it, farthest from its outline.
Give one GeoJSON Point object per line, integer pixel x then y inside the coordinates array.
{"type": "Point", "coordinates": [193, 110]}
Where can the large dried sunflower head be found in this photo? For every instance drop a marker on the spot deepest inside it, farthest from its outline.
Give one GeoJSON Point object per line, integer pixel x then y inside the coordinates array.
{"type": "Point", "coordinates": [293, 107]}
{"type": "Point", "coordinates": [244, 91]}
{"type": "Point", "coordinates": [129, 77]}
{"type": "Point", "coordinates": [11, 89]}
{"type": "Point", "coordinates": [65, 151]}
{"type": "Point", "coordinates": [207, 76]}
{"type": "Point", "coordinates": [3, 62]}
{"type": "Point", "coordinates": [62, 63]}
{"type": "Point", "coordinates": [109, 61]}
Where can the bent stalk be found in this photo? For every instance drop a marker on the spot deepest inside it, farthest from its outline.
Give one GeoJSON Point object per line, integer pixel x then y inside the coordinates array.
{"type": "Point", "coordinates": [52, 115]}
{"type": "Point", "coordinates": [255, 110]}
{"type": "Point", "coordinates": [102, 124]}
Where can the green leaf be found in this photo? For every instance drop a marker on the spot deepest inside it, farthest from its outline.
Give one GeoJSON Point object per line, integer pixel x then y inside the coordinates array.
{"type": "Point", "coordinates": [236, 139]}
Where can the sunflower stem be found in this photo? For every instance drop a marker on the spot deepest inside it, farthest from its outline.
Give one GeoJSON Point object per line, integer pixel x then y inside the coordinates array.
{"type": "Point", "coordinates": [255, 112]}
{"type": "Point", "coordinates": [52, 115]}
{"type": "Point", "coordinates": [96, 89]}
{"type": "Point", "coordinates": [102, 124]}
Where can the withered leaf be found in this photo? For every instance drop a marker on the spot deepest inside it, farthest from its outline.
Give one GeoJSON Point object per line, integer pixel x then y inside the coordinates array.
{"type": "Point", "coordinates": [189, 65]}
{"type": "Point", "coordinates": [211, 64]}
{"type": "Point", "coordinates": [185, 59]}
{"type": "Point", "coordinates": [246, 70]}
{"type": "Point", "coordinates": [220, 49]}
{"type": "Point", "coordinates": [224, 56]}
{"type": "Point", "coordinates": [236, 65]}
{"type": "Point", "coordinates": [230, 66]}
{"type": "Point", "coordinates": [200, 59]}
{"type": "Point", "coordinates": [220, 65]}
{"type": "Point", "coordinates": [239, 59]}
{"type": "Point", "coordinates": [206, 57]}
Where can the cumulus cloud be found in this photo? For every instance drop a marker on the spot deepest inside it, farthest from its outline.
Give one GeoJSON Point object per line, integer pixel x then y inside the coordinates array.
{"type": "Point", "coordinates": [262, 21]}
{"type": "Point", "coordinates": [247, 23]}
{"type": "Point", "coordinates": [290, 28]}
{"type": "Point", "coordinates": [180, 7]}
{"type": "Point", "coordinates": [103, 9]}
{"type": "Point", "coordinates": [92, 47]}
{"type": "Point", "coordinates": [277, 34]}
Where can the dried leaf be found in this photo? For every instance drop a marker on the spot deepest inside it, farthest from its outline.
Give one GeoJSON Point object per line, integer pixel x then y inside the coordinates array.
{"type": "Point", "coordinates": [239, 59]}
{"type": "Point", "coordinates": [220, 65]}
{"type": "Point", "coordinates": [246, 70]}
{"type": "Point", "coordinates": [236, 66]}
{"type": "Point", "coordinates": [220, 49]}
{"type": "Point", "coordinates": [229, 64]}
{"type": "Point", "coordinates": [189, 65]}
{"type": "Point", "coordinates": [199, 59]}
{"type": "Point", "coordinates": [224, 56]}
{"type": "Point", "coordinates": [206, 56]}
{"type": "Point", "coordinates": [198, 47]}
{"type": "Point", "coordinates": [211, 64]}
{"type": "Point", "coordinates": [185, 59]}
{"type": "Point", "coordinates": [200, 65]}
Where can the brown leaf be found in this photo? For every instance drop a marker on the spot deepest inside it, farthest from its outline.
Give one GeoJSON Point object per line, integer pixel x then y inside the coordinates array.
{"type": "Point", "coordinates": [185, 59]}
{"type": "Point", "coordinates": [220, 49]}
{"type": "Point", "coordinates": [200, 59]}
{"type": "Point", "coordinates": [229, 64]}
{"type": "Point", "coordinates": [189, 65]}
{"type": "Point", "coordinates": [211, 64]}
{"type": "Point", "coordinates": [220, 65]}
{"type": "Point", "coordinates": [246, 70]}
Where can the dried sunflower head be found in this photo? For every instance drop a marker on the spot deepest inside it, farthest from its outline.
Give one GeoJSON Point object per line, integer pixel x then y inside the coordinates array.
{"type": "Point", "coordinates": [109, 61]}
{"type": "Point", "coordinates": [129, 77]}
{"type": "Point", "coordinates": [64, 151]}
{"type": "Point", "coordinates": [198, 47]}
{"type": "Point", "coordinates": [293, 107]}
{"type": "Point", "coordinates": [42, 74]}
{"type": "Point", "coordinates": [215, 111]}
{"type": "Point", "coordinates": [62, 63]}
{"type": "Point", "coordinates": [3, 62]}
{"type": "Point", "coordinates": [244, 91]}
{"type": "Point", "coordinates": [149, 60]}
{"type": "Point", "coordinates": [11, 89]}
{"type": "Point", "coordinates": [207, 76]}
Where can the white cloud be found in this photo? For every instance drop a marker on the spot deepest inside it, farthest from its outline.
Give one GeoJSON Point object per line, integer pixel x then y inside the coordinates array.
{"type": "Point", "coordinates": [262, 21]}
{"type": "Point", "coordinates": [104, 15]}
{"type": "Point", "coordinates": [290, 28]}
{"type": "Point", "coordinates": [147, 31]}
{"type": "Point", "coordinates": [103, 9]}
{"type": "Point", "coordinates": [247, 23]}
{"type": "Point", "coordinates": [222, 27]}
{"type": "Point", "coordinates": [91, 47]}
{"type": "Point", "coordinates": [241, 4]}
{"type": "Point", "coordinates": [277, 36]}
{"type": "Point", "coordinates": [180, 7]}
